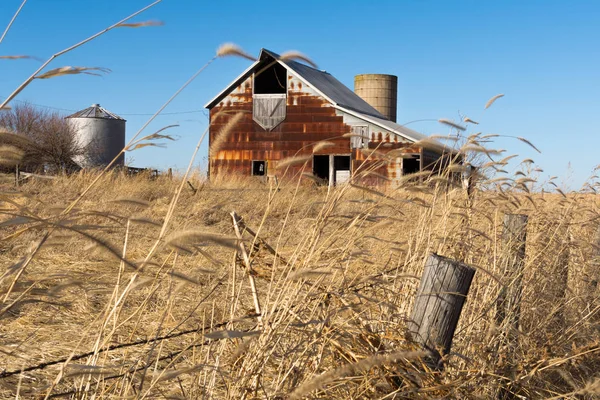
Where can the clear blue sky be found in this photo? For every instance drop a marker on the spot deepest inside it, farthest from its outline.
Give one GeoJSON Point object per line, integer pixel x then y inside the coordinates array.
{"type": "Point", "coordinates": [449, 56]}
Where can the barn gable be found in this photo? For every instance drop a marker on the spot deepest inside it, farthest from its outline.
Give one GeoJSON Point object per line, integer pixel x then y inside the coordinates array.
{"type": "Point", "coordinates": [324, 85]}
{"type": "Point", "coordinates": [322, 82]}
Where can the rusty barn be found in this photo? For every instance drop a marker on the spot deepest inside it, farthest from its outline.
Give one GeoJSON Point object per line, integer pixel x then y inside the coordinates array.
{"type": "Point", "coordinates": [289, 107]}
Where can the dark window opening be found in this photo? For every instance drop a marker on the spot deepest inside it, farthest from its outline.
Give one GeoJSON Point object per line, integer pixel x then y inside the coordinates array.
{"type": "Point", "coordinates": [341, 166]}
{"type": "Point", "coordinates": [341, 163]}
{"type": "Point", "coordinates": [411, 165]}
{"type": "Point", "coordinates": [321, 167]}
{"type": "Point", "coordinates": [259, 168]}
{"type": "Point", "coordinates": [332, 169]}
{"type": "Point", "coordinates": [272, 80]}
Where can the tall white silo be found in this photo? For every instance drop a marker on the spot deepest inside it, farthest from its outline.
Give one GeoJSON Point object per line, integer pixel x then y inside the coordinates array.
{"type": "Point", "coordinates": [101, 134]}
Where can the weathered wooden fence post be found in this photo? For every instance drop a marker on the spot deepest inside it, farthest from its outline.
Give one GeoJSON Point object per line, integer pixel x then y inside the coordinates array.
{"type": "Point", "coordinates": [514, 235]}
{"type": "Point", "coordinates": [593, 271]}
{"type": "Point", "coordinates": [560, 276]}
{"type": "Point", "coordinates": [442, 292]}
{"type": "Point", "coordinates": [585, 280]}
{"type": "Point", "coordinates": [508, 306]}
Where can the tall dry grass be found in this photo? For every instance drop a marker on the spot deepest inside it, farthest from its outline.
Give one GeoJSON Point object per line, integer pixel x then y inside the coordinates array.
{"type": "Point", "coordinates": [127, 287]}
{"type": "Point", "coordinates": [335, 273]}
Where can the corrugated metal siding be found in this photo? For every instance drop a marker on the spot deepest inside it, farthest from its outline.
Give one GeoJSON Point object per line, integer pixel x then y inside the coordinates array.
{"type": "Point", "coordinates": [102, 140]}
{"type": "Point", "coordinates": [327, 84]}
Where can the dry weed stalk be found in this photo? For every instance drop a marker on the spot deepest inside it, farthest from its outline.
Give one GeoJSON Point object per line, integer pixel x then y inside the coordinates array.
{"type": "Point", "coordinates": [68, 49]}
{"type": "Point", "coordinates": [16, 14]}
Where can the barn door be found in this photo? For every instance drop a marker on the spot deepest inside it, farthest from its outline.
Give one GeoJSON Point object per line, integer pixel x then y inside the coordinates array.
{"type": "Point", "coordinates": [360, 137]}
{"type": "Point", "coordinates": [269, 109]}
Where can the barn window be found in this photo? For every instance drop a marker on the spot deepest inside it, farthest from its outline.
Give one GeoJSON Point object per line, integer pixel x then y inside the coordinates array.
{"type": "Point", "coordinates": [259, 168]}
{"type": "Point", "coordinates": [411, 165]}
{"type": "Point", "coordinates": [341, 167]}
{"type": "Point", "coordinates": [332, 169]}
{"type": "Point", "coordinates": [271, 80]}
{"type": "Point", "coordinates": [269, 102]}
{"type": "Point", "coordinates": [321, 167]}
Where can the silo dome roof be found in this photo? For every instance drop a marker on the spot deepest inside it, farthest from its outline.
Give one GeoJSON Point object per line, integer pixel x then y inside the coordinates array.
{"type": "Point", "coordinates": [95, 111]}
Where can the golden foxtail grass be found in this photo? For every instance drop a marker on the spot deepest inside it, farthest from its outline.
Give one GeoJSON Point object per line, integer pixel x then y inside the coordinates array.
{"type": "Point", "coordinates": [296, 55]}
{"type": "Point", "coordinates": [493, 100]}
{"type": "Point", "coordinates": [334, 312]}
{"type": "Point", "coordinates": [231, 49]}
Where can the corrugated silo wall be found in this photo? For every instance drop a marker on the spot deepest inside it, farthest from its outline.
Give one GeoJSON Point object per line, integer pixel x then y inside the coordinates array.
{"type": "Point", "coordinates": [101, 138]}
{"type": "Point", "coordinates": [380, 91]}
{"type": "Point", "coordinates": [309, 119]}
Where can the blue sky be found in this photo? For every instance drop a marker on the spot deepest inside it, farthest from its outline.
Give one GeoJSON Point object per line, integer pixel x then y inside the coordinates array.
{"type": "Point", "coordinates": [450, 57]}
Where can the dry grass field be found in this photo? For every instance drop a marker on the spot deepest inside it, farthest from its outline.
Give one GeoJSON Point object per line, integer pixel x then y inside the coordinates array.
{"type": "Point", "coordinates": [114, 286]}
{"type": "Point", "coordinates": [136, 288]}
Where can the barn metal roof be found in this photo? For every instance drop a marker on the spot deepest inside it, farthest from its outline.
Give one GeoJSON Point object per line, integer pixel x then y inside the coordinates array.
{"type": "Point", "coordinates": [331, 89]}
{"type": "Point", "coordinates": [95, 111]}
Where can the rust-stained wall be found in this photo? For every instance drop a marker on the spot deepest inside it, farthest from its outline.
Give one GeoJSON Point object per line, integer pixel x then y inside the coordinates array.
{"type": "Point", "coordinates": [309, 119]}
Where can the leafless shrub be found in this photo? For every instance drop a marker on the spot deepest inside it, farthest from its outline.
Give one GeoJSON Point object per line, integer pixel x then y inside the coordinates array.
{"type": "Point", "coordinates": [50, 142]}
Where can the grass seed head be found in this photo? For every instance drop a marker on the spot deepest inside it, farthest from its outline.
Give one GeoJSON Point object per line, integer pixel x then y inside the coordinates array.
{"type": "Point", "coordinates": [452, 124]}
{"type": "Point", "coordinates": [294, 160]}
{"type": "Point", "coordinates": [140, 24]}
{"type": "Point", "coordinates": [53, 73]}
{"type": "Point", "coordinates": [10, 155]}
{"type": "Point", "coordinates": [492, 100]}
{"type": "Point", "coordinates": [231, 49]}
{"type": "Point", "coordinates": [296, 55]}
{"type": "Point", "coordinates": [223, 134]}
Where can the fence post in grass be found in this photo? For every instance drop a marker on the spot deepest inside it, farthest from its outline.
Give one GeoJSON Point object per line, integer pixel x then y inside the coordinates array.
{"type": "Point", "coordinates": [560, 278]}
{"type": "Point", "coordinates": [442, 292]}
{"type": "Point", "coordinates": [589, 286]}
{"type": "Point", "coordinates": [508, 306]}
{"type": "Point", "coordinates": [593, 279]}
{"type": "Point", "coordinates": [595, 273]}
